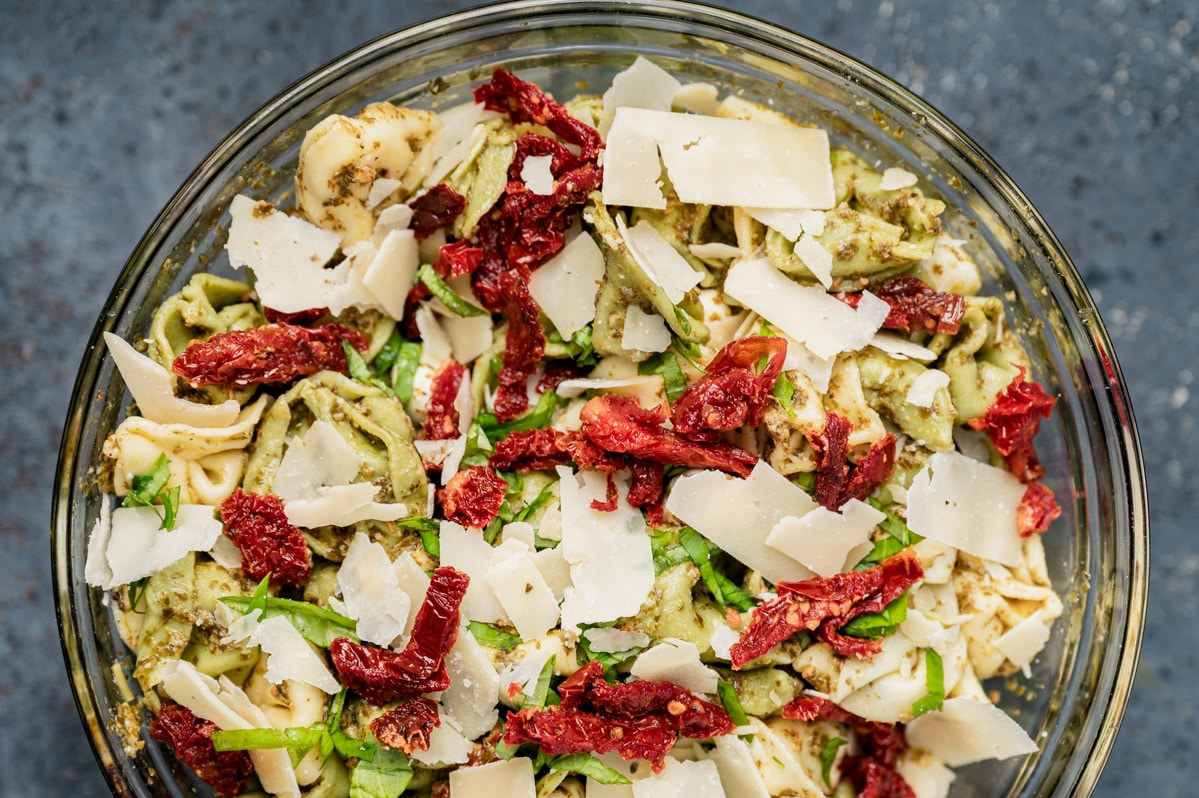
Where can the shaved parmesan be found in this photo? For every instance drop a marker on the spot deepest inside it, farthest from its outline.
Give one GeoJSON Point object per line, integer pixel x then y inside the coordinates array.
{"type": "Point", "coordinates": [466, 550]}
{"type": "Point", "coordinates": [95, 568]}
{"type": "Point", "coordinates": [818, 370]}
{"type": "Point", "coordinates": [381, 189]}
{"type": "Point", "coordinates": [738, 514]}
{"type": "Point", "coordinates": [291, 657]}
{"type": "Point", "coordinates": [692, 779]}
{"type": "Point", "coordinates": [372, 593]}
{"type": "Point", "coordinates": [566, 285]}
{"type": "Point", "coordinates": [461, 131]}
{"type": "Point", "coordinates": [899, 347]}
{"type": "Point", "coordinates": [137, 548]}
{"type": "Point", "coordinates": [808, 314]}
{"type": "Point", "coordinates": [444, 454]}
{"type": "Point", "coordinates": [715, 161]}
{"type": "Point", "coordinates": [714, 251]}
{"type": "Point", "coordinates": [723, 639]}
{"type": "Point", "coordinates": [658, 258]}
{"type": "Point", "coordinates": [822, 539]}
{"type": "Point", "coordinates": [554, 569]}
{"type": "Point", "coordinates": [697, 98]}
{"type": "Point", "coordinates": [536, 174]}
{"type": "Point", "coordinates": [470, 700]}
{"type": "Point", "coordinates": [927, 777]}
{"type": "Point", "coordinates": [321, 458]}
{"type": "Point", "coordinates": [342, 505]}
{"type": "Point", "coordinates": [924, 388]}
{"type": "Point", "coordinates": [642, 85]}
{"type": "Point", "coordinates": [895, 178]}
{"type": "Point", "coordinates": [965, 731]}
{"type": "Point", "coordinates": [738, 774]}
{"type": "Point", "coordinates": [644, 332]}
{"type": "Point", "coordinates": [967, 505]}
{"type": "Point", "coordinates": [447, 745]}
{"type": "Point", "coordinates": [792, 223]}
{"type": "Point", "coordinates": [818, 259]}
{"type": "Point", "coordinates": [676, 661]}
{"type": "Point", "coordinates": [512, 779]}
{"type": "Point", "coordinates": [1024, 641]}
{"type": "Point", "coordinates": [611, 561]}
{"type": "Point", "coordinates": [391, 273]}
{"type": "Point", "coordinates": [522, 590]}
{"type": "Point", "coordinates": [393, 217]}
{"type": "Point", "coordinates": [609, 640]}
{"type": "Point", "coordinates": [469, 336]}
{"type": "Point", "coordinates": [153, 390]}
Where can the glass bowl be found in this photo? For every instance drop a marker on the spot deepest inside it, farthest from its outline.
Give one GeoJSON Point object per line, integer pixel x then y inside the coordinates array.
{"type": "Point", "coordinates": [1097, 552]}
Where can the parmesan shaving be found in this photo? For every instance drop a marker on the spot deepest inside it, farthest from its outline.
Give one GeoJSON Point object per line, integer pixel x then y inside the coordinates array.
{"type": "Point", "coordinates": [153, 390]}
{"type": "Point", "coordinates": [924, 388]}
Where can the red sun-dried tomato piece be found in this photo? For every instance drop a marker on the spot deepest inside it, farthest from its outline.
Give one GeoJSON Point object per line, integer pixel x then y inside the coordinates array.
{"type": "Point", "coordinates": [1038, 509]}
{"type": "Point", "coordinates": [380, 675]}
{"type": "Point", "coordinates": [303, 318]}
{"type": "Point", "coordinates": [1012, 421]}
{"type": "Point", "coordinates": [272, 353]}
{"type": "Point", "coordinates": [524, 102]}
{"type": "Point", "coordinates": [683, 711]}
{"type": "Point", "coordinates": [834, 483]}
{"type": "Point", "coordinates": [473, 497]}
{"type": "Point", "coordinates": [416, 294]}
{"type": "Point", "coordinates": [529, 450]}
{"type": "Point", "coordinates": [535, 224]}
{"type": "Point", "coordinates": [823, 605]}
{"type": "Point", "coordinates": [269, 544]}
{"type": "Point", "coordinates": [915, 305]}
{"type": "Point", "coordinates": [442, 420]}
{"type": "Point", "coordinates": [524, 344]}
{"type": "Point", "coordinates": [619, 424]}
{"type": "Point", "coordinates": [227, 772]}
{"type": "Point", "coordinates": [556, 372]}
{"type": "Point", "coordinates": [611, 497]}
{"type": "Point", "coordinates": [647, 484]}
{"type": "Point", "coordinates": [457, 259]}
{"type": "Point", "coordinates": [436, 208]}
{"type": "Point", "coordinates": [558, 731]}
{"type": "Point", "coordinates": [407, 726]}
{"type": "Point", "coordinates": [736, 389]}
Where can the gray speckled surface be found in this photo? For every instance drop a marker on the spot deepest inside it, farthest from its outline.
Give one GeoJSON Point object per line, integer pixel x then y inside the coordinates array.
{"type": "Point", "coordinates": [1092, 107]}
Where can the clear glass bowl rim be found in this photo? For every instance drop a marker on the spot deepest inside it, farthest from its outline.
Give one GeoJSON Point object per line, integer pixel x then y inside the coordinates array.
{"type": "Point", "coordinates": [1079, 776]}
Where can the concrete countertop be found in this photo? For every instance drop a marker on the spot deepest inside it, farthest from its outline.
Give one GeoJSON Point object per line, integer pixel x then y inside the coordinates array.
{"type": "Point", "coordinates": [1092, 108]}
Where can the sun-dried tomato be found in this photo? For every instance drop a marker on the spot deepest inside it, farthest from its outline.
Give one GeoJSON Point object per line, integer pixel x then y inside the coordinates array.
{"type": "Point", "coordinates": [227, 772]}
{"type": "Point", "coordinates": [556, 372]}
{"type": "Point", "coordinates": [638, 720]}
{"type": "Point", "coordinates": [836, 481]}
{"type": "Point", "coordinates": [647, 485]}
{"type": "Point", "coordinates": [436, 208]}
{"type": "Point", "coordinates": [915, 305]}
{"type": "Point", "coordinates": [524, 102]}
{"type": "Point", "coordinates": [272, 353]}
{"type": "Point", "coordinates": [303, 318]}
{"type": "Point", "coordinates": [416, 294]}
{"type": "Point", "coordinates": [380, 675]}
{"type": "Point", "coordinates": [457, 259]}
{"type": "Point", "coordinates": [870, 779]}
{"type": "Point", "coordinates": [529, 450]}
{"type": "Point", "coordinates": [536, 224]}
{"type": "Point", "coordinates": [524, 344]}
{"type": "Point", "coordinates": [407, 726]}
{"type": "Point", "coordinates": [734, 392]}
{"type": "Point", "coordinates": [619, 424]}
{"type": "Point", "coordinates": [473, 497]}
{"type": "Point", "coordinates": [1012, 422]}
{"type": "Point", "coordinates": [442, 420]}
{"type": "Point", "coordinates": [1038, 509]}
{"type": "Point", "coordinates": [611, 497]}
{"type": "Point", "coordinates": [269, 544]}
{"type": "Point", "coordinates": [823, 605]}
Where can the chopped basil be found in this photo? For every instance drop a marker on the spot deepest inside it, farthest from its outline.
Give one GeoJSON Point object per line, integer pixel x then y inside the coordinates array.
{"type": "Point", "coordinates": [386, 776]}
{"type": "Point", "coordinates": [879, 624]}
{"type": "Point", "coordinates": [493, 637]}
{"type": "Point", "coordinates": [697, 549]}
{"type": "Point", "coordinates": [385, 359]}
{"type": "Point", "coordinates": [732, 704]}
{"type": "Point", "coordinates": [667, 365]}
{"type": "Point", "coordinates": [147, 489]}
{"type": "Point", "coordinates": [582, 349]}
{"type": "Point", "coordinates": [297, 737]}
{"type": "Point", "coordinates": [806, 480]}
{"type": "Point", "coordinates": [590, 766]}
{"type": "Point", "coordinates": [358, 370]}
{"type": "Point", "coordinates": [541, 692]}
{"type": "Point", "coordinates": [898, 537]}
{"type": "Point", "coordinates": [404, 370]}
{"type": "Point", "coordinates": [539, 416]}
{"type": "Point", "coordinates": [783, 390]}
{"type": "Point", "coordinates": [828, 755]}
{"type": "Point", "coordinates": [505, 751]}
{"type": "Point", "coordinates": [690, 353]}
{"type": "Point", "coordinates": [733, 595]}
{"type": "Point", "coordinates": [318, 625]}
{"type": "Point", "coordinates": [935, 681]}
{"type": "Point", "coordinates": [684, 320]}
{"type": "Point", "coordinates": [448, 296]}
{"type": "Point", "coordinates": [428, 529]}
{"type": "Point", "coordinates": [667, 551]}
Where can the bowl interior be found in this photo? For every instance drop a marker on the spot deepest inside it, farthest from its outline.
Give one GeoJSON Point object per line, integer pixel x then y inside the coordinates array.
{"type": "Point", "coordinates": [1072, 702]}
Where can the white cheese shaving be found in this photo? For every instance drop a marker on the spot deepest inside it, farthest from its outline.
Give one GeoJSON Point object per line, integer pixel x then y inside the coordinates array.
{"type": "Point", "coordinates": [444, 454]}
{"type": "Point", "coordinates": [676, 661]}
{"type": "Point", "coordinates": [466, 550]}
{"type": "Point", "coordinates": [825, 325]}
{"type": "Point", "coordinates": [381, 189]}
{"type": "Point", "coordinates": [447, 745]}
{"type": "Point", "coordinates": [738, 774]}
{"type": "Point", "coordinates": [1024, 641]}
{"type": "Point", "coordinates": [320, 458]}
{"type": "Point", "coordinates": [658, 258]}
{"type": "Point", "coordinates": [642, 85]}
{"type": "Point", "coordinates": [522, 590]}
{"type": "Point", "coordinates": [470, 700]}
{"type": "Point", "coordinates": [225, 553]}
{"type": "Point", "coordinates": [461, 129]}
{"type": "Point", "coordinates": [792, 223]}
{"type": "Point", "coordinates": [818, 370]}
{"type": "Point", "coordinates": [469, 336]}
{"type": "Point", "coordinates": [723, 639]}
{"type": "Point", "coordinates": [927, 631]}
{"type": "Point", "coordinates": [965, 731]}
{"type": "Point", "coordinates": [291, 657]}
{"type": "Point", "coordinates": [697, 98]}
{"type": "Point", "coordinates": [715, 161]}
{"type": "Point", "coordinates": [967, 505]}
{"type": "Point", "coordinates": [644, 332]}
{"type": "Point", "coordinates": [137, 547]}
{"type": "Point", "coordinates": [692, 779]}
{"type": "Point", "coordinates": [342, 505]}
{"type": "Point", "coordinates": [393, 217]}
{"type": "Point", "coordinates": [924, 388]}
{"type": "Point", "coordinates": [610, 640]}
{"type": "Point", "coordinates": [536, 174]}
{"type": "Point", "coordinates": [818, 259]}
{"type": "Point", "coordinates": [511, 779]}
{"type": "Point", "coordinates": [152, 387]}
{"type": "Point", "coordinates": [413, 581]}
{"type": "Point", "coordinates": [737, 515]}
{"type": "Point", "coordinates": [822, 539]}
{"type": "Point", "coordinates": [927, 777]}
{"type": "Point", "coordinates": [566, 285]}
{"type": "Point", "coordinates": [899, 347]}
{"type": "Point", "coordinates": [95, 568]}
{"type": "Point", "coordinates": [895, 178]}
{"type": "Point", "coordinates": [611, 561]}
{"type": "Point", "coordinates": [391, 273]}
{"type": "Point", "coordinates": [714, 251]}
{"type": "Point", "coordinates": [554, 569]}
{"type": "Point", "coordinates": [371, 591]}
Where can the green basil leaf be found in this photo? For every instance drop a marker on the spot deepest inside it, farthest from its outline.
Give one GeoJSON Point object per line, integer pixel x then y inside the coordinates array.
{"type": "Point", "coordinates": [404, 370]}
{"type": "Point", "coordinates": [144, 488]}
{"type": "Point", "coordinates": [733, 594]}
{"type": "Point", "coordinates": [666, 551]}
{"type": "Point", "coordinates": [684, 320]}
{"type": "Point", "coordinates": [690, 352]}
{"type": "Point", "coordinates": [448, 296]}
{"type": "Point", "coordinates": [261, 739]}
{"type": "Point", "coordinates": [388, 354]}
{"type": "Point", "coordinates": [540, 416]}
{"type": "Point", "coordinates": [590, 766]}
{"type": "Point", "coordinates": [170, 508]}
{"type": "Point", "coordinates": [667, 365]}
{"type": "Point", "coordinates": [358, 370]}
{"type": "Point", "coordinates": [898, 537]}
{"type": "Point", "coordinates": [318, 625]}
{"type": "Point", "coordinates": [783, 391]}
{"type": "Point", "coordinates": [732, 704]}
{"type": "Point", "coordinates": [828, 755]}
{"type": "Point", "coordinates": [541, 691]}
{"type": "Point", "coordinates": [697, 549]}
{"type": "Point", "coordinates": [352, 748]}
{"type": "Point", "coordinates": [505, 751]}
{"type": "Point", "coordinates": [935, 681]}
{"type": "Point", "coordinates": [493, 637]}
{"type": "Point", "coordinates": [879, 624]}
{"type": "Point", "coordinates": [805, 480]}
{"type": "Point", "coordinates": [386, 776]}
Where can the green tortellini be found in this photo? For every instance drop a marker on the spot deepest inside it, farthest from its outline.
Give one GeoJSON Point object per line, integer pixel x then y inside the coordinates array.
{"type": "Point", "coordinates": [483, 175]}
{"type": "Point", "coordinates": [887, 381]}
{"type": "Point", "coordinates": [981, 359]}
{"type": "Point", "coordinates": [673, 611]}
{"type": "Point", "coordinates": [170, 601]}
{"type": "Point", "coordinates": [763, 691]}
{"type": "Point", "coordinates": [206, 651]}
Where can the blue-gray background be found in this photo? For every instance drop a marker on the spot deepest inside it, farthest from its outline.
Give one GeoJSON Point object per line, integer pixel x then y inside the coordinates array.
{"type": "Point", "coordinates": [1092, 106]}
